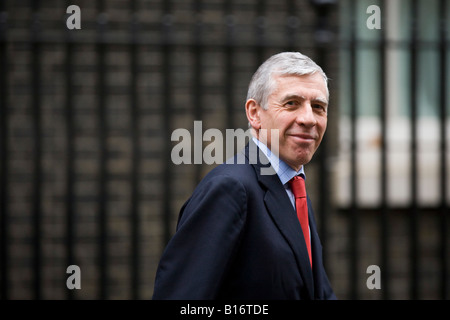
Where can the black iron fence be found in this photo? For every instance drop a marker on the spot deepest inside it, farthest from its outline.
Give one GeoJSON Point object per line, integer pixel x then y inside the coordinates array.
{"type": "Point", "coordinates": [87, 114]}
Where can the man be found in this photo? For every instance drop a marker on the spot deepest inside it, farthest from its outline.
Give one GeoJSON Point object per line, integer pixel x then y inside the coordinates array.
{"type": "Point", "coordinates": [239, 235]}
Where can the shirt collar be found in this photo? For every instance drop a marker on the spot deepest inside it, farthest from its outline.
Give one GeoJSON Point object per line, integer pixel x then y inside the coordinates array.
{"type": "Point", "coordinates": [283, 170]}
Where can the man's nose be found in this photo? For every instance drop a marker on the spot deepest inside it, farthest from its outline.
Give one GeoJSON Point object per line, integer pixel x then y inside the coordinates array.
{"type": "Point", "coordinates": [305, 115]}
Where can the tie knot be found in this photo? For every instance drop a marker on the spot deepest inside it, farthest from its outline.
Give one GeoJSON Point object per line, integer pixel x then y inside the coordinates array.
{"type": "Point", "coordinates": [297, 184]}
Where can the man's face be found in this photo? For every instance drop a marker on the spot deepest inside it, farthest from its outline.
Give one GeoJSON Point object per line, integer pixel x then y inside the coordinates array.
{"type": "Point", "coordinates": [298, 109]}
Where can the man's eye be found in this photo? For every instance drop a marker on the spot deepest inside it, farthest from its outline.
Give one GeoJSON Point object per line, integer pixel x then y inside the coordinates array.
{"type": "Point", "coordinates": [319, 106]}
{"type": "Point", "coordinates": [291, 103]}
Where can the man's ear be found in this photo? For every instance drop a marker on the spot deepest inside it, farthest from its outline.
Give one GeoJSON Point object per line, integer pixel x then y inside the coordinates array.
{"type": "Point", "coordinates": [252, 109]}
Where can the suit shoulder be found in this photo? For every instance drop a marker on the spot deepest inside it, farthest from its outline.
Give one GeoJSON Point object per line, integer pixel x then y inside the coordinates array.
{"type": "Point", "coordinates": [244, 173]}
{"type": "Point", "coordinates": [221, 191]}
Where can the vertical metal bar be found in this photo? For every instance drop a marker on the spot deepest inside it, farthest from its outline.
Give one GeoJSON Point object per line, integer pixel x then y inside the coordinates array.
{"type": "Point", "coordinates": [103, 157]}
{"type": "Point", "coordinates": [384, 235]}
{"type": "Point", "coordinates": [414, 211]}
{"type": "Point", "coordinates": [166, 34]}
{"type": "Point", "coordinates": [197, 83]}
{"type": "Point", "coordinates": [321, 44]}
{"type": "Point", "coordinates": [444, 210]}
{"type": "Point", "coordinates": [70, 165]}
{"type": "Point", "coordinates": [260, 30]}
{"type": "Point", "coordinates": [229, 42]}
{"type": "Point", "coordinates": [292, 23]}
{"type": "Point", "coordinates": [135, 154]}
{"type": "Point", "coordinates": [37, 164]}
{"type": "Point", "coordinates": [4, 167]}
{"type": "Point", "coordinates": [353, 216]}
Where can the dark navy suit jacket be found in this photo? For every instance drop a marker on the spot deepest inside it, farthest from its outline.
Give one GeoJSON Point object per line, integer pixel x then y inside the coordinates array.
{"type": "Point", "coordinates": [238, 237]}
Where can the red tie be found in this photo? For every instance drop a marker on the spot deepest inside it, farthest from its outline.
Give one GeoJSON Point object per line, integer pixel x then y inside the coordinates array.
{"type": "Point", "coordinates": [298, 189]}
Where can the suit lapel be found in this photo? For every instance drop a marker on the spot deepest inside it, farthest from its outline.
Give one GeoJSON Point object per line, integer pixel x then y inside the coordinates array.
{"type": "Point", "coordinates": [316, 250]}
{"type": "Point", "coordinates": [283, 214]}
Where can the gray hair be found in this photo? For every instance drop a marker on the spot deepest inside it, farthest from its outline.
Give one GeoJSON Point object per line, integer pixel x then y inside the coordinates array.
{"type": "Point", "coordinates": [263, 84]}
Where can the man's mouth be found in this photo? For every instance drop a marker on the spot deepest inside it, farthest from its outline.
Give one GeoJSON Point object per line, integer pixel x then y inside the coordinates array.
{"type": "Point", "coordinates": [303, 137]}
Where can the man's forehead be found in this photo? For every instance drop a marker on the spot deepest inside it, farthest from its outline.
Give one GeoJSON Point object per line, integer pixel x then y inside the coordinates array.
{"type": "Point", "coordinates": [314, 78]}
{"type": "Point", "coordinates": [311, 86]}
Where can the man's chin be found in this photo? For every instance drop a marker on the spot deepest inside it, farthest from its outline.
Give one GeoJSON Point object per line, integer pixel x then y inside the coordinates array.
{"type": "Point", "coordinates": [297, 162]}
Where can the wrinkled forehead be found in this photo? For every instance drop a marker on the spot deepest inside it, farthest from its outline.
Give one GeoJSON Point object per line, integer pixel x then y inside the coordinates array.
{"type": "Point", "coordinates": [311, 86]}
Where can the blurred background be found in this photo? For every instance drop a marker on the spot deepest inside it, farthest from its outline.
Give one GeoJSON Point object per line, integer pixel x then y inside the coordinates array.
{"type": "Point", "coordinates": [86, 117]}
